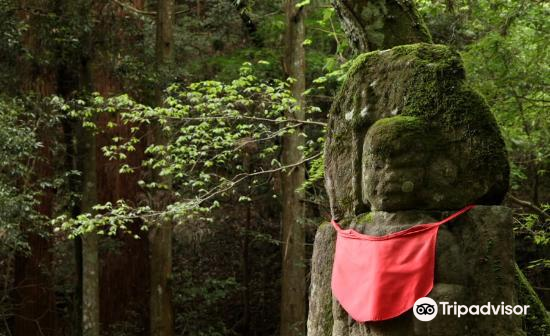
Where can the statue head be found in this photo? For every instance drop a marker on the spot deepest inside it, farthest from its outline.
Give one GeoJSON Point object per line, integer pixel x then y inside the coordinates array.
{"type": "Point", "coordinates": [406, 132]}
{"type": "Point", "coordinates": [406, 165]}
{"type": "Point", "coordinates": [411, 163]}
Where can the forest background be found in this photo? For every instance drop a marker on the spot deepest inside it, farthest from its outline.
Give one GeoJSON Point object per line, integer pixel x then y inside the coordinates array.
{"type": "Point", "coordinates": [161, 168]}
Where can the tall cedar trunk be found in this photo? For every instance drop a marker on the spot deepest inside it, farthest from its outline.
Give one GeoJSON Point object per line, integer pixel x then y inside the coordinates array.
{"type": "Point", "coordinates": [380, 24]}
{"type": "Point", "coordinates": [77, 152]}
{"type": "Point", "coordinates": [124, 276]}
{"type": "Point", "coordinates": [34, 298]}
{"type": "Point", "coordinates": [160, 239]}
{"type": "Point", "coordinates": [71, 163]}
{"type": "Point", "coordinates": [88, 256]}
{"type": "Point", "coordinates": [90, 259]}
{"type": "Point", "coordinates": [293, 284]}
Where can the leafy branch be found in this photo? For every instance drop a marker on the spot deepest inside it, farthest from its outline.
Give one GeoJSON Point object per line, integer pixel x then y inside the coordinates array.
{"type": "Point", "coordinates": [213, 129]}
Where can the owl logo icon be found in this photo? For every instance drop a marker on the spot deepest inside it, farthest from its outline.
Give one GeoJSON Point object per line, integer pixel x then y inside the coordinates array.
{"type": "Point", "coordinates": [425, 309]}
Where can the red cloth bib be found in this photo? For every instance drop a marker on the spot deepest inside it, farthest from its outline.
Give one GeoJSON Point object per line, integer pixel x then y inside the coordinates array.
{"type": "Point", "coordinates": [380, 277]}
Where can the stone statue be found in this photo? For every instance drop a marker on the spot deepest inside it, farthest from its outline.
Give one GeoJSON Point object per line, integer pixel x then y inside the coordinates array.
{"type": "Point", "coordinates": [409, 142]}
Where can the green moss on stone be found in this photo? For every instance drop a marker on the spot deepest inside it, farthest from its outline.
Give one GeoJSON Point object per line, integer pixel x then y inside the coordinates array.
{"type": "Point", "coordinates": [426, 82]}
{"type": "Point", "coordinates": [391, 136]}
{"type": "Point", "coordinates": [365, 218]}
{"type": "Point", "coordinates": [537, 321]}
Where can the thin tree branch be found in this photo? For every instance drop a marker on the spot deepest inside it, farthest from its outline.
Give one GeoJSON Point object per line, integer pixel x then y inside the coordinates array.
{"type": "Point", "coordinates": [141, 11]}
{"type": "Point", "coordinates": [133, 9]}
{"type": "Point", "coordinates": [227, 185]}
{"type": "Point", "coordinates": [530, 206]}
{"type": "Point", "coordinates": [241, 177]}
{"type": "Point", "coordinates": [309, 122]}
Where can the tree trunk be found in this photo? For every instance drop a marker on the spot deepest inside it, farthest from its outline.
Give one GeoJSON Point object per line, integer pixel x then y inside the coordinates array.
{"type": "Point", "coordinates": [90, 259]}
{"type": "Point", "coordinates": [124, 276]}
{"type": "Point", "coordinates": [380, 24]}
{"type": "Point", "coordinates": [248, 23]}
{"type": "Point", "coordinates": [160, 238]}
{"type": "Point", "coordinates": [90, 285]}
{"type": "Point", "coordinates": [87, 246]}
{"type": "Point", "coordinates": [293, 284]}
{"type": "Point", "coordinates": [34, 297]}
{"type": "Point", "coordinates": [162, 321]}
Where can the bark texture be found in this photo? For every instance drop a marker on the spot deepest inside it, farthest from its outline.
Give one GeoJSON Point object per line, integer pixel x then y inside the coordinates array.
{"type": "Point", "coordinates": [380, 24]}
{"type": "Point", "coordinates": [34, 313]}
{"type": "Point", "coordinates": [90, 251]}
{"type": "Point", "coordinates": [162, 320]}
{"type": "Point", "coordinates": [293, 284]}
{"type": "Point", "coordinates": [124, 275]}
{"type": "Point", "coordinates": [160, 238]}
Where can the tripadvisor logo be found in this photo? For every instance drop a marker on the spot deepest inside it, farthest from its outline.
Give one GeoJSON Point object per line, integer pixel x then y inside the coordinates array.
{"type": "Point", "coordinates": [426, 309]}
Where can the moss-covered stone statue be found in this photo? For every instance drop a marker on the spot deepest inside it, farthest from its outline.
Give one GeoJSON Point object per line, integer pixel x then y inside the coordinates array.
{"type": "Point", "coordinates": [409, 142]}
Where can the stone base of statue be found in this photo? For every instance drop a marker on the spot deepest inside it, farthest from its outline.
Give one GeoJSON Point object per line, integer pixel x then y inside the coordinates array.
{"type": "Point", "coordinates": [474, 266]}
